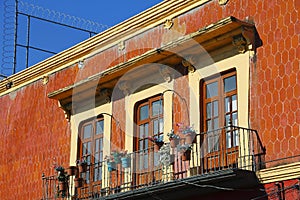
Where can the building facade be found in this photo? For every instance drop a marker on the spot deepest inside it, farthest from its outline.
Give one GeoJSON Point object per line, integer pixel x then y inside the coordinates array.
{"type": "Point", "coordinates": [188, 99]}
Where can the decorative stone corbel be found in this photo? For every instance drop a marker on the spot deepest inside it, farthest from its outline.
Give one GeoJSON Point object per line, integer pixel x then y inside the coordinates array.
{"type": "Point", "coordinates": [223, 2]}
{"type": "Point", "coordinates": [45, 79]}
{"type": "Point", "coordinates": [124, 86]}
{"type": "Point", "coordinates": [66, 111]}
{"type": "Point", "coordinates": [188, 62]}
{"type": "Point", "coordinates": [9, 84]}
{"type": "Point", "coordinates": [168, 24]}
{"type": "Point", "coordinates": [106, 94]}
{"type": "Point", "coordinates": [166, 73]}
{"type": "Point", "coordinates": [240, 42]}
{"type": "Point", "coordinates": [121, 45]}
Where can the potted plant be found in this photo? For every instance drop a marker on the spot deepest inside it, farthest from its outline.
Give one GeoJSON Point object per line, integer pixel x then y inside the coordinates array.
{"type": "Point", "coordinates": [78, 182]}
{"type": "Point", "coordinates": [174, 139]}
{"type": "Point", "coordinates": [185, 151]}
{"type": "Point", "coordinates": [158, 142]}
{"type": "Point", "coordinates": [116, 156]}
{"type": "Point", "coordinates": [72, 170]}
{"type": "Point", "coordinates": [62, 178]}
{"type": "Point", "coordinates": [189, 134]}
{"type": "Point", "coordinates": [82, 165]}
{"type": "Point", "coordinates": [125, 159]}
{"type": "Point", "coordinates": [111, 164]}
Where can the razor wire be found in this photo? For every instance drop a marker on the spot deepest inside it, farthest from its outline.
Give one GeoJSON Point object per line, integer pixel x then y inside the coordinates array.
{"type": "Point", "coordinates": [14, 8]}
{"type": "Point", "coordinates": [59, 17]}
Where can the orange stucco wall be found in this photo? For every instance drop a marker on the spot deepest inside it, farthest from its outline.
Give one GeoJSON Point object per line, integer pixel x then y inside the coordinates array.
{"type": "Point", "coordinates": [34, 133]}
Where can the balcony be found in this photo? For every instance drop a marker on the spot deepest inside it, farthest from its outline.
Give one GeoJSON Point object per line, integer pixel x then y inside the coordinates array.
{"type": "Point", "coordinates": [225, 158]}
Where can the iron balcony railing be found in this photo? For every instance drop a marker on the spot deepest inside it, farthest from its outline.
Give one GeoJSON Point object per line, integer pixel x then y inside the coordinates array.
{"type": "Point", "coordinates": [209, 152]}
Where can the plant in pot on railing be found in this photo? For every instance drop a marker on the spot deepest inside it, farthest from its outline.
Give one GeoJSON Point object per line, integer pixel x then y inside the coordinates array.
{"type": "Point", "coordinates": [185, 151]}
{"type": "Point", "coordinates": [158, 142]}
{"type": "Point", "coordinates": [82, 165]}
{"type": "Point", "coordinates": [62, 180]}
{"type": "Point", "coordinates": [116, 156]}
{"type": "Point", "coordinates": [189, 134]}
{"type": "Point", "coordinates": [174, 139]}
{"type": "Point", "coordinates": [111, 164]}
{"type": "Point", "coordinates": [125, 159]}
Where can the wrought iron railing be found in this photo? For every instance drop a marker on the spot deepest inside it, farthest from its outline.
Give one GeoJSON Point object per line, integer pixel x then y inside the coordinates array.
{"type": "Point", "coordinates": [209, 152]}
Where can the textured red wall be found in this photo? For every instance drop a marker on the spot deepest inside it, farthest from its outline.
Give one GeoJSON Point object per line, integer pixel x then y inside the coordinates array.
{"type": "Point", "coordinates": [34, 133]}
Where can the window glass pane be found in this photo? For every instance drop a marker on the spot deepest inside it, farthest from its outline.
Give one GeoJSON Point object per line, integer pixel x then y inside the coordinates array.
{"type": "Point", "coordinates": [101, 157]}
{"type": "Point", "coordinates": [146, 143]}
{"type": "Point", "coordinates": [156, 159]}
{"type": "Point", "coordinates": [156, 108]}
{"type": "Point", "coordinates": [87, 131]}
{"type": "Point", "coordinates": [100, 144]}
{"type": "Point", "coordinates": [99, 127]}
{"type": "Point", "coordinates": [208, 110]}
{"type": "Point", "coordinates": [141, 146]}
{"type": "Point", "coordinates": [96, 174]}
{"type": "Point", "coordinates": [144, 112]}
{"type": "Point", "coordinates": [89, 147]}
{"type": "Point", "coordinates": [155, 127]}
{"type": "Point", "coordinates": [216, 123]}
{"type": "Point", "coordinates": [228, 140]}
{"type": "Point", "coordinates": [212, 90]}
{"type": "Point", "coordinates": [234, 103]}
{"type": "Point", "coordinates": [236, 141]}
{"type": "Point", "coordinates": [230, 83]}
{"type": "Point", "coordinates": [141, 131]}
{"type": "Point", "coordinates": [97, 145]}
{"type": "Point", "coordinates": [161, 125]}
{"type": "Point", "coordinates": [227, 104]}
{"type": "Point", "coordinates": [216, 108]}
{"type": "Point", "coordinates": [96, 157]}
{"type": "Point", "coordinates": [146, 131]}
{"type": "Point", "coordinates": [234, 119]}
{"type": "Point", "coordinates": [141, 161]}
{"type": "Point", "coordinates": [209, 125]}
{"type": "Point", "coordinates": [146, 161]}
{"type": "Point", "coordinates": [227, 120]}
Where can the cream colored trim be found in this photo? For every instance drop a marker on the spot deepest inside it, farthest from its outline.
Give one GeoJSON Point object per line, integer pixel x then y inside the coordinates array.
{"type": "Point", "coordinates": [75, 123]}
{"type": "Point", "coordinates": [279, 173]}
{"type": "Point", "coordinates": [241, 63]}
{"type": "Point", "coordinates": [130, 102]}
{"type": "Point", "coordinates": [140, 23]}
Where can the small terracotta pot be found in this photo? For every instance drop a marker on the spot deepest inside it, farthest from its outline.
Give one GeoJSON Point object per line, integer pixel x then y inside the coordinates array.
{"type": "Point", "coordinates": [82, 167]}
{"type": "Point", "coordinates": [189, 138]}
{"type": "Point", "coordinates": [174, 142]}
{"type": "Point", "coordinates": [186, 155]}
{"type": "Point", "coordinates": [62, 186]}
{"type": "Point", "coordinates": [72, 170]}
{"type": "Point", "coordinates": [78, 182]}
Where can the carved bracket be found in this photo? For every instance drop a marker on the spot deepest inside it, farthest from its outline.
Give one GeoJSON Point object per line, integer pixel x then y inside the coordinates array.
{"type": "Point", "coordinates": [189, 62]}
{"type": "Point", "coordinates": [240, 42]}
{"type": "Point", "coordinates": [168, 24]}
{"type": "Point", "coordinates": [106, 94]}
{"type": "Point", "coordinates": [66, 111]}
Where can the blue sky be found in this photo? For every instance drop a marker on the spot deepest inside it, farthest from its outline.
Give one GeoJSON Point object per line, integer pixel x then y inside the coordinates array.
{"type": "Point", "coordinates": [56, 38]}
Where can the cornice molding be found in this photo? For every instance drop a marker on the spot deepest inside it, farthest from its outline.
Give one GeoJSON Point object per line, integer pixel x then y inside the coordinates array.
{"type": "Point", "coordinates": [279, 173]}
{"type": "Point", "coordinates": [146, 20]}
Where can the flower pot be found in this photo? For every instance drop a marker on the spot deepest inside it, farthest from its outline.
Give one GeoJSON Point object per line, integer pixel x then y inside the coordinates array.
{"type": "Point", "coordinates": [72, 170]}
{"type": "Point", "coordinates": [117, 158]}
{"type": "Point", "coordinates": [82, 167]}
{"type": "Point", "coordinates": [189, 138]}
{"type": "Point", "coordinates": [62, 186]}
{"type": "Point", "coordinates": [125, 162]}
{"type": "Point", "coordinates": [78, 182]}
{"type": "Point", "coordinates": [186, 155]}
{"type": "Point", "coordinates": [174, 142]}
{"type": "Point", "coordinates": [111, 166]}
{"type": "Point", "coordinates": [157, 146]}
